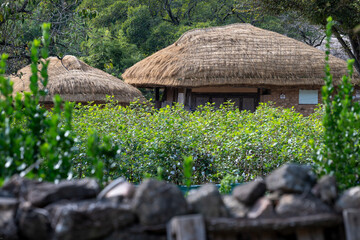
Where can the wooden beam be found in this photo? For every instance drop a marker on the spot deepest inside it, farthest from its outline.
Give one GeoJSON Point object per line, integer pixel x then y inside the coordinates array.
{"type": "Point", "coordinates": [310, 234]}
{"type": "Point", "coordinates": [352, 223]}
{"type": "Point", "coordinates": [157, 94]}
{"type": "Point", "coordinates": [273, 224]}
{"type": "Point", "coordinates": [189, 227]}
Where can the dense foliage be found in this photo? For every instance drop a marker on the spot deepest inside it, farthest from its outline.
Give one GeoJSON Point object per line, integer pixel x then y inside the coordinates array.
{"type": "Point", "coordinates": [139, 141]}
{"type": "Point", "coordinates": [114, 34]}
{"type": "Point", "coordinates": [33, 141]}
{"type": "Point", "coordinates": [143, 27]}
{"type": "Point", "coordinates": [339, 154]}
{"type": "Point", "coordinates": [20, 22]}
{"type": "Point", "coordinates": [346, 15]}
{"type": "Point", "coordinates": [221, 142]}
{"type": "Point", "coordinates": [206, 145]}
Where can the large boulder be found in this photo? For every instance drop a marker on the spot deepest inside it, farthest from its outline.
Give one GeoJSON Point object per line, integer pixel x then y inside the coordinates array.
{"type": "Point", "coordinates": [263, 208]}
{"type": "Point", "coordinates": [326, 189]}
{"type": "Point", "coordinates": [89, 219]}
{"type": "Point", "coordinates": [118, 189]}
{"type": "Point", "coordinates": [6, 194]}
{"type": "Point", "coordinates": [248, 193]}
{"type": "Point", "coordinates": [234, 207]}
{"type": "Point", "coordinates": [46, 193]}
{"type": "Point", "coordinates": [291, 178]}
{"type": "Point", "coordinates": [19, 187]}
{"type": "Point", "coordinates": [207, 201]}
{"type": "Point", "coordinates": [298, 205]}
{"type": "Point", "coordinates": [156, 202]}
{"type": "Point", "coordinates": [34, 223]}
{"type": "Point", "coordinates": [274, 197]}
{"type": "Point", "coordinates": [8, 207]}
{"type": "Point", "coordinates": [349, 199]}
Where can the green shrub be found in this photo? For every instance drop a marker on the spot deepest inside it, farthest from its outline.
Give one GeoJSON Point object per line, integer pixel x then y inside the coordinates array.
{"type": "Point", "coordinates": [227, 183]}
{"type": "Point", "coordinates": [35, 142]}
{"type": "Point", "coordinates": [141, 141]}
{"type": "Point", "coordinates": [339, 153]}
{"type": "Point", "coordinates": [31, 141]}
{"type": "Point", "coordinates": [221, 142]}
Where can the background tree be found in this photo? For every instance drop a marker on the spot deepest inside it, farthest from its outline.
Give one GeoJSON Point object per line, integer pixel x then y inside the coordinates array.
{"type": "Point", "coordinates": [110, 52]}
{"type": "Point", "coordinates": [147, 26]}
{"type": "Point", "coordinates": [114, 34]}
{"type": "Point", "coordinates": [20, 22]}
{"type": "Point", "coordinates": [346, 15]}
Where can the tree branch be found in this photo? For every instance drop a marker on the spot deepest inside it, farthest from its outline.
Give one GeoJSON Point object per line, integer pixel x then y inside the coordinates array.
{"type": "Point", "coordinates": [238, 15]}
{"type": "Point", "coordinates": [22, 56]}
{"type": "Point", "coordinates": [167, 8]}
{"type": "Point", "coordinates": [319, 44]}
{"type": "Point", "coordinates": [342, 42]}
{"type": "Point", "coordinates": [22, 9]}
{"type": "Point", "coordinates": [188, 11]}
{"type": "Point", "coordinates": [346, 48]}
{"type": "Point", "coordinates": [15, 11]}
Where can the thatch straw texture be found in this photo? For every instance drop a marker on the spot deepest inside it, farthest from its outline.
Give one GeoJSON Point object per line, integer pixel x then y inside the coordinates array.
{"type": "Point", "coordinates": [76, 81]}
{"type": "Point", "coordinates": [233, 55]}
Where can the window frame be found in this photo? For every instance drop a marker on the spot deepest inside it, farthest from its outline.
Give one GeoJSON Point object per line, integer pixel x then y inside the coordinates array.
{"type": "Point", "coordinates": [304, 101]}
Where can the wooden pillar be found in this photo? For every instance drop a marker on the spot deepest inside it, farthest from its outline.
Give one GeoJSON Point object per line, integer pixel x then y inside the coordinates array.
{"type": "Point", "coordinates": [157, 98]}
{"type": "Point", "coordinates": [258, 98]}
{"type": "Point", "coordinates": [188, 99]}
{"type": "Point", "coordinates": [164, 96]}
{"type": "Point", "coordinates": [310, 234]}
{"type": "Point", "coordinates": [352, 223]}
{"type": "Point", "coordinates": [157, 94]}
{"type": "Point", "coordinates": [181, 99]}
{"type": "Point", "coordinates": [189, 227]}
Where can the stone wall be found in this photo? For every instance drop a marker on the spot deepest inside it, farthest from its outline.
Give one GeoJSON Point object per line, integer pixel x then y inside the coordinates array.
{"type": "Point", "coordinates": [282, 206]}
{"type": "Point", "coordinates": [291, 99]}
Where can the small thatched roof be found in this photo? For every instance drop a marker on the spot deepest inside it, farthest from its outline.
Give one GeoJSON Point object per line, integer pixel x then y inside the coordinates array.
{"type": "Point", "coordinates": [76, 81]}
{"type": "Point", "coordinates": [234, 55]}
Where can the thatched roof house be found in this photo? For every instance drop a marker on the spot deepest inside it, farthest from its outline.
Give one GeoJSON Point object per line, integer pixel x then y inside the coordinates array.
{"type": "Point", "coordinates": [76, 81]}
{"type": "Point", "coordinates": [237, 62]}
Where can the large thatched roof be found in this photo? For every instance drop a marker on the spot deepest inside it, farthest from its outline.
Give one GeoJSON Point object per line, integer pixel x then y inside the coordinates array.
{"type": "Point", "coordinates": [76, 81]}
{"type": "Point", "coordinates": [237, 55]}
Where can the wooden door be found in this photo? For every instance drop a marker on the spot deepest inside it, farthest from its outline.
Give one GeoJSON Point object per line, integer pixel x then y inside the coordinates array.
{"type": "Point", "coordinates": [235, 100]}
{"type": "Point", "coordinates": [202, 100]}
{"type": "Point", "coordinates": [217, 101]}
{"type": "Point", "coordinates": [249, 104]}
{"type": "Point", "coordinates": [242, 101]}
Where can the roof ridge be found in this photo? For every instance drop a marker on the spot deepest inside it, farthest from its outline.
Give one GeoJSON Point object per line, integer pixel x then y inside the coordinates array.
{"type": "Point", "coordinates": [209, 29]}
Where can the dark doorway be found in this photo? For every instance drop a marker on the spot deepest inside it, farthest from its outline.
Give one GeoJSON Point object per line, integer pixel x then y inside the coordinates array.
{"type": "Point", "coordinates": [242, 101]}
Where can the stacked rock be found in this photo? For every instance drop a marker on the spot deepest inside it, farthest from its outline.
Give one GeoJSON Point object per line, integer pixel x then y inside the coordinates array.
{"type": "Point", "coordinates": [288, 191]}
{"type": "Point", "coordinates": [69, 210]}
{"type": "Point", "coordinates": [79, 210]}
